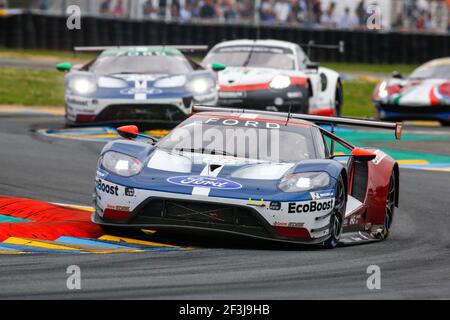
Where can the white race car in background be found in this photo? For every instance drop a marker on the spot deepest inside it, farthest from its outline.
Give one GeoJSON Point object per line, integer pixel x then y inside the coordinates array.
{"type": "Point", "coordinates": [274, 75]}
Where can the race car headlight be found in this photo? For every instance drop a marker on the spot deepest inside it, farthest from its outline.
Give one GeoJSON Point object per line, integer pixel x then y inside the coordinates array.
{"type": "Point", "coordinates": [306, 181]}
{"type": "Point", "coordinates": [121, 164]}
{"type": "Point", "coordinates": [109, 82]}
{"type": "Point", "coordinates": [171, 82]}
{"type": "Point", "coordinates": [82, 85]}
{"type": "Point", "coordinates": [280, 82]}
{"type": "Point", "coordinates": [200, 85]}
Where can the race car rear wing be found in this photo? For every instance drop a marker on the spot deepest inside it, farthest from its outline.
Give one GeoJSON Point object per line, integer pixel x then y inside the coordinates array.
{"type": "Point", "coordinates": [183, 48]}
{"type": "Point", "coordinates": [312, 45]}
{"type": "Point", "coordinates": [397, 127]}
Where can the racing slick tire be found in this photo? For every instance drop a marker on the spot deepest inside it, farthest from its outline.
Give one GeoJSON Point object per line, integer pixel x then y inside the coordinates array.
{"type": "Point", "coordinates": [339, 99]}
{"type": "Point", "coordinates": [337, 216]}
{"type": "Point", "coordinates": [383, 232]}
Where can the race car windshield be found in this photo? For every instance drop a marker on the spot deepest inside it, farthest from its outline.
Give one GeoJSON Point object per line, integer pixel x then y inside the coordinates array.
{"type": "Point", "coordinates": [140, 64]}
{"type": "Point", "coordinates": [429, 72]}
{"type": "Point", "coordinates": [252, 56]}
{"type": "Point", "coordinates": [263, 141]}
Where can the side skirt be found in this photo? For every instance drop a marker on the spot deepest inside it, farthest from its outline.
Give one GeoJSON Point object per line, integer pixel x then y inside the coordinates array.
{"type": "Point", "coordinates": [359, 237]}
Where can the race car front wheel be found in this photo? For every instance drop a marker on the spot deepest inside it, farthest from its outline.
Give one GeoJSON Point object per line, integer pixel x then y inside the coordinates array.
{"type": "Point", "coordinates": [337, 217]}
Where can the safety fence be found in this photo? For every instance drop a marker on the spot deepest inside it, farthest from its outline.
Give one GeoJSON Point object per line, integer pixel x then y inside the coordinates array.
{"type": "Point", "coordinates": [39, 31]}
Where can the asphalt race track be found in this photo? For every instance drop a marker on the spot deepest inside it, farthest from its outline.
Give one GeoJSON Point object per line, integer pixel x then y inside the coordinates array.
{"type": "Point", "coordinates": [414, 261]}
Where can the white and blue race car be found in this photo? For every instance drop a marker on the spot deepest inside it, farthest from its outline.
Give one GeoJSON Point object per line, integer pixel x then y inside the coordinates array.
{"type": "Point", "coordinates": [258, 174]}
{"type": "Point", "coordinates": [145, 84]}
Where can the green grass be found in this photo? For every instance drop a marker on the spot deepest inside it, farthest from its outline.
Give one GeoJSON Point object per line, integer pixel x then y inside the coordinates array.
{"type": "Point", "coordinates": [358, 99]}
{"type": "Point", "coordinates": [31, 87]}
{"type": "Point", "coordinates": [375, 68]}
{"type": "Point", "coordinates": [45, 55]}
{"type": "Point", "coordinates": [46, 88]}
{"type": "Point", "coordinates": [39, 87]}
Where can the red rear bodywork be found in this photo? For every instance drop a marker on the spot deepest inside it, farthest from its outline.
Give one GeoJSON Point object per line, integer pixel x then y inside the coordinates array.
{"type": "Point", "coordinates": [373, 210]}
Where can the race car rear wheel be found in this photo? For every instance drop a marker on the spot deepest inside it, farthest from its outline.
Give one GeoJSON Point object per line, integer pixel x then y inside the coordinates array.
{"type": "Point", "coordinates": [337, 217]}
{"type": "Point", "coordinates": [390, 206]}
{"type": "Point", "coordinates": [383, 232]}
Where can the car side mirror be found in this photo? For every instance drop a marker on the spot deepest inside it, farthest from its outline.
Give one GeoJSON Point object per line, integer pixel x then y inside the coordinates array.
{"type": "Point", "coordinates": [64, 67]}
{"type": "Point", "coordinates": [397, 75]}
{"type": "Point", "coordinates": [217, 67]}
{"type": "Point", "coordinates": [312, 66]}
{"type": "Point", "coordinates": [128, 132]}
{"type": "Point", "coordinates": [361, 154]}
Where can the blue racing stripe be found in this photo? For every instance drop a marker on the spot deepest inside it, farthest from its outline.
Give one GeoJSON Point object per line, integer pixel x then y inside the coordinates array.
{"type": "Point", "coordinates": [109, 245]}
{"type": "Point", "coordinates": [90, 242]}
{"type": "Point", "coordinates": [98, 130]}
{"type": "Point", "coordinates": [5, 246]}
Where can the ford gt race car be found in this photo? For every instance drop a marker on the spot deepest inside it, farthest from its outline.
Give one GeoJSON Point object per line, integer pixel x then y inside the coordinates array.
{"type": "Point", "coordinates": [151, 84]}
{"type": "Point", "coordinates": [265, 175]}
{"type": "Point", "coordinates": [424, 95]}
{"type": "Point", "coordinates": [275, 75]}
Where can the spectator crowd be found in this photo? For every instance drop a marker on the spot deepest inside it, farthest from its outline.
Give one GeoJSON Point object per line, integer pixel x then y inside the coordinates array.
{"type": "Point", "coordinates": [405, 15]}
{"type": "Point", "coordinates": [422, 15]}
{"type": "Point", "coordinates": [410, 15]}
{"type": "Point", "coordinates": [307, 13]}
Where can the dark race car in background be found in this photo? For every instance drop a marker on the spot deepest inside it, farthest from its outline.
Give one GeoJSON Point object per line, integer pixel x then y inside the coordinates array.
{"type": "Point", "coordinates": [275, 75]}
{"type": "Point", "coordinates": [424, 95]}
{"type": "Point", "coordinates": [151, 84]}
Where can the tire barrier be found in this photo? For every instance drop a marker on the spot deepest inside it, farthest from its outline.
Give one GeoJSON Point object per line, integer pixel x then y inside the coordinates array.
{"type": "Point", "coordinates": [39, 31]}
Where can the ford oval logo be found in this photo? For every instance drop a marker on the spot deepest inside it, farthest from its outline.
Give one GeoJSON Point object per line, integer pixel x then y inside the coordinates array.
{"type": "Point", "coordinates": [204, 182]}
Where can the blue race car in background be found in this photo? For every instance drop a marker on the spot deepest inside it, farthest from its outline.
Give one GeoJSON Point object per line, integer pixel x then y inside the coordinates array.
{"type": "Point", "coordinates": [145, 84]}
{"type": "Point", "coordinates": [258, 174]}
